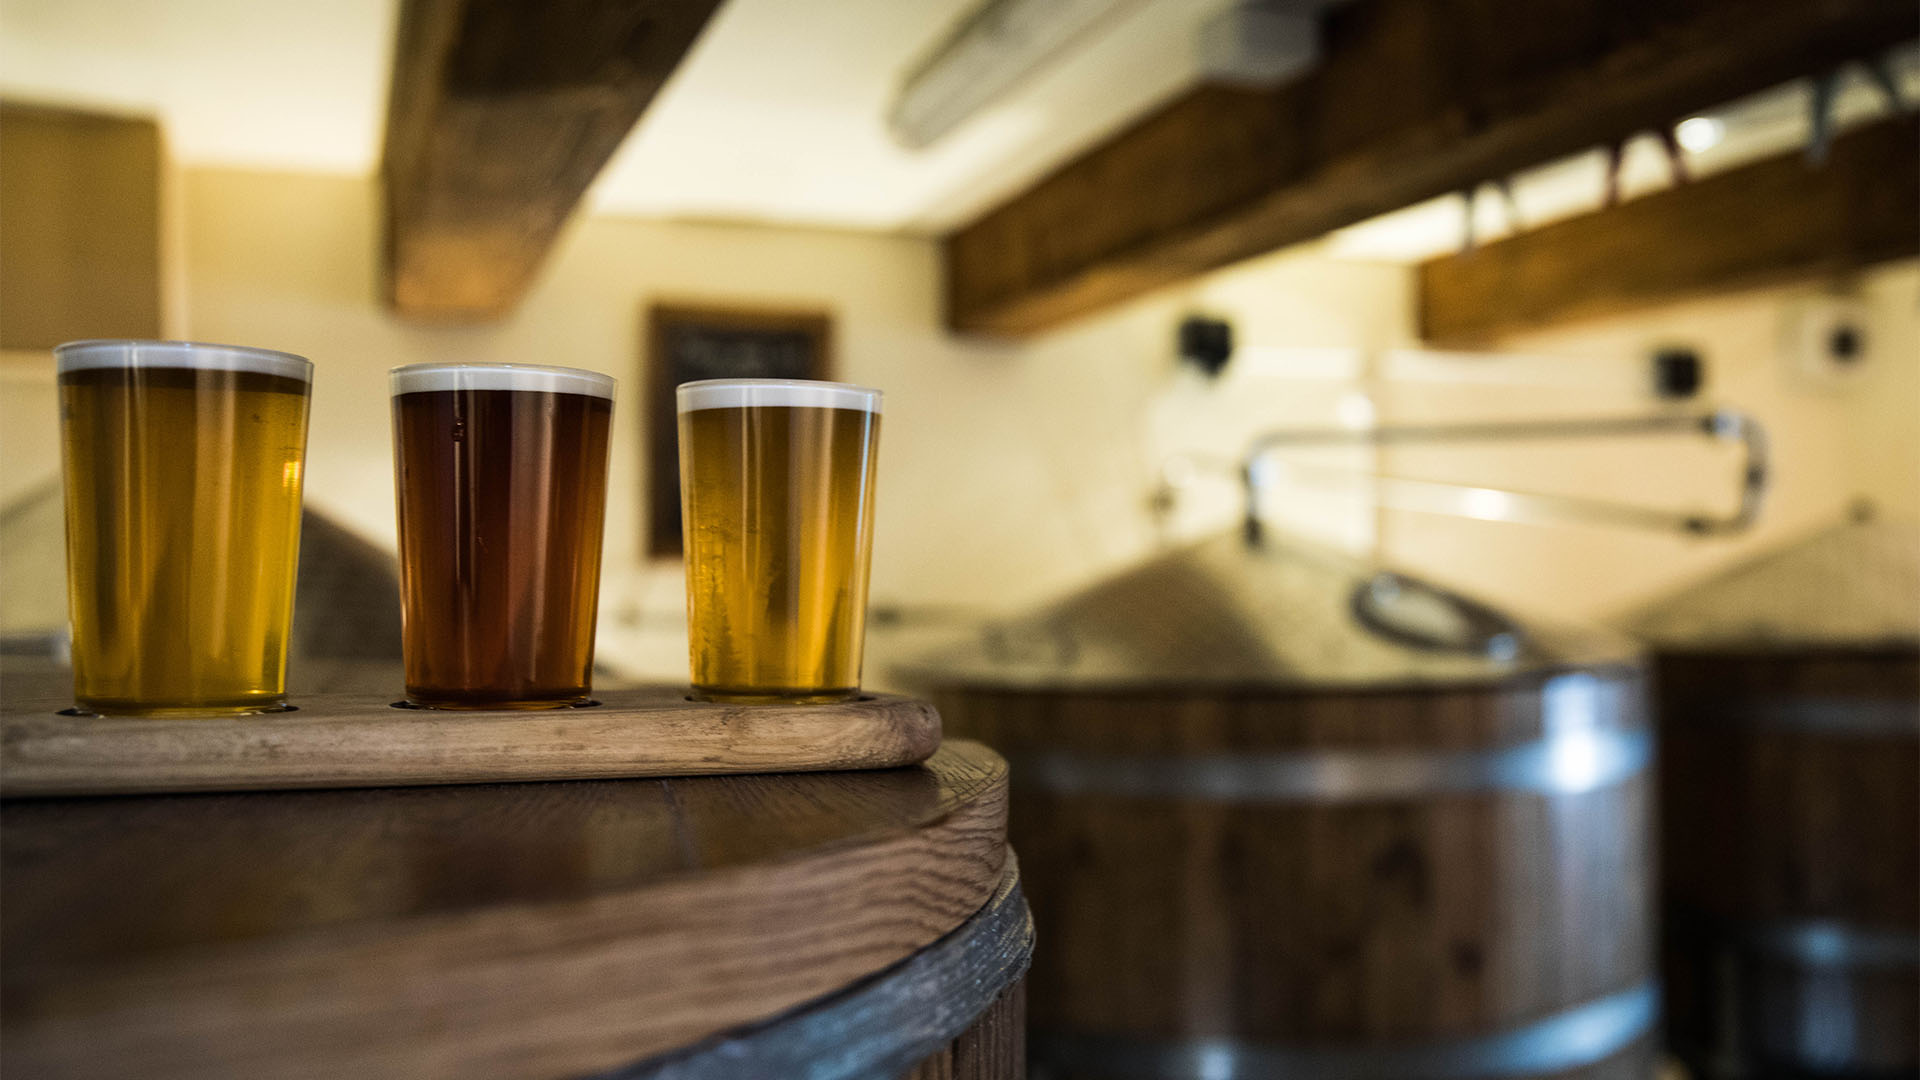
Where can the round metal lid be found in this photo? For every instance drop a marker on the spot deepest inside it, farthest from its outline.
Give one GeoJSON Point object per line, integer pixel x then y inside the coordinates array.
{"type": "Point", "coordinates": [1852, 585]}
{"type": "Point", "coordinates": [1279, 614]}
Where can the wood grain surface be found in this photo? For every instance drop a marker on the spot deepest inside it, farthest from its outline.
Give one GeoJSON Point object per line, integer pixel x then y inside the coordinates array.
{"type": "Point", "coordinates": [1778, 813]}
{"type": "Point", "coordinates": [1772, 820]}
{"type": "Point", "coordinates": [949, 1004]}
{"type": "Point", "coordinates": [1348, 924]}
{"type": "Point", "coordinates": [1175, 721]}
{"type": "Point", "coordinates": [995, 1048]}
{"type": "Point", "coordinates": [500, 116]}
{"type": "Point", "coordinates": [1761, 224]}
{"type": "Point", "coordinates": [360, 741]}
{"type": "Point", "coordinates": [524, 930]}
{"type": "Point", "coordinates": [1411, 99]}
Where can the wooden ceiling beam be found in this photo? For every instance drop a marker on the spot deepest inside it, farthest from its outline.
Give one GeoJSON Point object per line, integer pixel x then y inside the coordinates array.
{"type": "Point", "coordinates": [1413, 99]}
{"type": "Point", "coordinates": [1761, 224]}
{"type": "Point", "coordinates": [501, 114]}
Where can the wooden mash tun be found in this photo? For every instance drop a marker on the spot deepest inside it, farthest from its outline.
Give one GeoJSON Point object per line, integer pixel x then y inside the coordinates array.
{"type": "Point", "coordinates": [1286, 814]}
{"type": "Point", "coordinates": [1788, 689]}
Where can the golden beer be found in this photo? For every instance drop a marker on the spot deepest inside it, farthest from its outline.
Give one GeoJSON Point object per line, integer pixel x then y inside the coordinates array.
{"type": "Point", "coordinates": [182, 465]}
{"type": "Point", "coordinates": [776, 490]}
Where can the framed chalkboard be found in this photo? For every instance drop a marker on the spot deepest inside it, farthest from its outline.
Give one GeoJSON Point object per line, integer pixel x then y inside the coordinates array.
{"type": "Point", "coordinates": [685, 343]}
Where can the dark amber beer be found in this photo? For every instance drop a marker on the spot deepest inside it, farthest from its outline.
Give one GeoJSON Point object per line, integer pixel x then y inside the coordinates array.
{"type": "Point", "coordinates": [182, 466]}
{"type": "Point", "coordinates": [501, 473]}
{"type": "Point", "coordinates": [776, 490]}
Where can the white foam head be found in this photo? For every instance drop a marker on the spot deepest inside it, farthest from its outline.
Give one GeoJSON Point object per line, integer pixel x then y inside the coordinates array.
{"type": "Point", "coordinates": [425, 378]}
{"type": "Point", "coordinates": [797, 393]}
{"type": "Point", "coordinates": [85, 355]}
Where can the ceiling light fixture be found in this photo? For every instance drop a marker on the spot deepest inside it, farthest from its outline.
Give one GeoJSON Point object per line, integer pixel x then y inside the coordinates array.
{"type": "Point", "coordinates": [1698, 133]}
{"type": "Point", "coordinates": [1261, 42]}
{"type": "Point", "coordinates": [1002, 42]}
{"type": "Point", "coordinates": [988, 53]}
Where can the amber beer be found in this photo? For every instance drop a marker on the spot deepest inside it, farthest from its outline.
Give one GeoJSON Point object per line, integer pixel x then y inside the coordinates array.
{"type": "Point", "coordinates": [776, 489]}
{"type": "Point", "coordinates": [501, 474]}
{"type": "Point", "coordinates": [182, 465]}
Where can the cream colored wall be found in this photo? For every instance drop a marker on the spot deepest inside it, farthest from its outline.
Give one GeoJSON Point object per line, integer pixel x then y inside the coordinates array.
{"type": "Point", "coordinates": [1304, 327]}
{"type": "Point", "coordinates": [1007, 472]}
{"type": "Point", "coordinates": [29, 454]}
{"type": "Point", "coordinates": [32, 575]}
{"type": "Point", "coordinates": [1010, 472]}
{"type": "Point", "coordinates": [290, 261]}
{"type": "Point", "coordinates": [1833, 443]}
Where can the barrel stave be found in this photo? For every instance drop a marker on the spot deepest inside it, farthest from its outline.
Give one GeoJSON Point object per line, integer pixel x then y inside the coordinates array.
{"type": "Point", "coordinates": [1791, 857]}
{"type": "Point", "coordinates": [1285, 922]}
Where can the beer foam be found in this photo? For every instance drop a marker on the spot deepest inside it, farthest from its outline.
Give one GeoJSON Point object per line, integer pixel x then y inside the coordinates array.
{"type": "Point", "coordinates": [85, 355]}
{"type": "Point", "coordinates": [796, 393]}
{"type": "Point", "coordinates": [425, 378]}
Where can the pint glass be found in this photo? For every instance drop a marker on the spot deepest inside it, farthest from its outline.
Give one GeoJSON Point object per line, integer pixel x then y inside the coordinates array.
{"type": "Point", "coordinates": [776, 490]}
{"type": "Point", "coordinates": [182, 465]}
{"type": "Point", "coordinates": [501, 477]}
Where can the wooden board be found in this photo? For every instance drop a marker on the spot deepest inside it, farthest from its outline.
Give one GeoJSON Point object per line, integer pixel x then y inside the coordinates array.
{"type": "Point", "coordinates": [501, 115]}
{"type": "Point", "coordinates": [1761, 224]}
{"type": "Point", "coordinates": [353, 741]}
{"type": "Point", "coordinates": [498, 930]}
{"type": "Point", "coordinates": [1412, 99]}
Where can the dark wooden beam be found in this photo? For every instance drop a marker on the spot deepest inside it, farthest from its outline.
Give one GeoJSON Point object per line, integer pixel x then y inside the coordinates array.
{"type": "Point", "coordinates": [1761, 224]}
{"type": "Point", "coordinates": [1778, 220]}
{"type": "Point", "coordinates": [1414, 99]}
{"type": "Point", "coordinates": [501, 113]}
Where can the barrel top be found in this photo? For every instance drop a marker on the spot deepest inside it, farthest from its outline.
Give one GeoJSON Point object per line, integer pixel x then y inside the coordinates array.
{"type": "Point", "coordinates": [1281, 615]}
{"type": "Point", "coordinates": [582, 925]}
{"type": "Point", "coordinates": [1854, 585]}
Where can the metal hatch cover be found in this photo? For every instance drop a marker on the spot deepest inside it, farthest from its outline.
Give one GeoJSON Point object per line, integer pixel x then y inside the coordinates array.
{"type": "Point", "coordinates": [1282, 614]}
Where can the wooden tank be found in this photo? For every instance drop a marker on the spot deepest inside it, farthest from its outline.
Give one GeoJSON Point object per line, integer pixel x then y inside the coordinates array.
{"type": "Point", "coordinates": [827, 926]}
{"type": "Point", "coordinates": [1282, 815]}
{"type": "Point", "coordinates": [1789, 715]}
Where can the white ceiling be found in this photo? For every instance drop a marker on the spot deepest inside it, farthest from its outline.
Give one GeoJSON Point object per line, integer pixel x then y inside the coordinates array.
{"type": "Point", "coordinates": [776, 115]}
{"type": "Point", "coordinates": [278, 84]}
{"type": "Point", "coordinates": [779, 114]}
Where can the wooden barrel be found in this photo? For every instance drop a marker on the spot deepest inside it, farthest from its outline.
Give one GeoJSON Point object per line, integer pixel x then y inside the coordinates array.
{"type": "Point", "coordinates": [1439, 881]}
{"type": "Point", "coordinates": [847, 925]}
{"type": "Point", "coordinates": [1789, 716]}
{"type": "Point", "coordinates": [1791, 787]}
